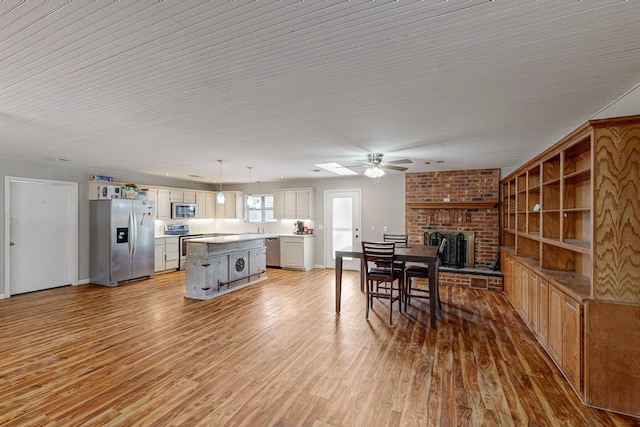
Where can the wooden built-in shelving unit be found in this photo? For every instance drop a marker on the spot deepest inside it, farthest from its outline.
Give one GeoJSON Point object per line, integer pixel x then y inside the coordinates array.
{"type": "Point", "coordinates": [570, 236]}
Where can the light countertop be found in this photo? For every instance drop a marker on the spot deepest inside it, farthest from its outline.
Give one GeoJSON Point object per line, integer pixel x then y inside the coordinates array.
{"type": "Point", "coordinates": [233, 238]}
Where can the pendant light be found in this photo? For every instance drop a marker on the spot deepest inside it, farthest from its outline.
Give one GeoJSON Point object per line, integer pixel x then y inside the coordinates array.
{"type": "Point", "coordinates": [220, 196]}
{"type": "Point", "coordinates": [251, 202]}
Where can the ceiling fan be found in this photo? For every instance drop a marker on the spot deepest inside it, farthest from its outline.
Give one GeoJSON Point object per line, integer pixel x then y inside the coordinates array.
{"type": "Point", "coordinates": [375, 165]}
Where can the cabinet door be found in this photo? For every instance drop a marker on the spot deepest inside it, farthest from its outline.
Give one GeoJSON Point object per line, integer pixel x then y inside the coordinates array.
{"type": "Point", "coordinates": [230, 205]}
{"type": "Point", "coordinates": [257, 261]}
{"type": "Point", "coordinates": [302, 204]}
{"type": "Point", "coordinates": [533, 301]}
{"type": "Point", "coordinates": [176, 196]}
{"type": "Point", "coordinates": [278, 204]}
{"type": "Point", "coordinates": [201, 204]}
{"type": "Point", "coordinates": [210, 205]}
{"type": "Point", "coordinates": [189, 196]}
{"type": "Point", "coordinates": [290, 204]}
{"type": "Point", "coordinates": [292, 252]}
{"type": "Point", "coordinates": [524, 294]}
{"type": "Point", "coordinates": [572, 342]}
{"type": "Point", "coordinates": [543, 312]}
{"type": "Point", "coordinates": [508, 268]}
{"type": "Point", "coordinates": [163, 205]}
{"type": "Point", "coordinates": [159, 255]}
{"type": "Point", "coordinates": [556, 303]}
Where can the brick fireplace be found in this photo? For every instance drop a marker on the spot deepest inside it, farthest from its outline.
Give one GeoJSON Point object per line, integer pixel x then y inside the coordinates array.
{"type": "Point", "coordinates": [457, 201]}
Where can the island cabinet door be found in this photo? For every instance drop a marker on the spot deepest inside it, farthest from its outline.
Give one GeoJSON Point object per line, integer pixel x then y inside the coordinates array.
{"type": "Point", "coordinates": [257, 261]}
{"type": "Point", "coordinates": [238, 267]}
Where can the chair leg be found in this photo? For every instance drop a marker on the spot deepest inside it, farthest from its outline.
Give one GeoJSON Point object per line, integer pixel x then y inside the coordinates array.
{"type": "Point", "coordinates": [367, 298]}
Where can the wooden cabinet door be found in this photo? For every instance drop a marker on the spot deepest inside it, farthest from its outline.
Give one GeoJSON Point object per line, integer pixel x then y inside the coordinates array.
{"type": "Point", "coordinates": [524, 294]}
{"type": "Point", "coordinates": [572, 342]}
{"type": "Point", "coordinates": [556, 308]}
{"type": "Point", "coordinates": [508, 267]}
{"type": "Point", "coordinates": [533, 301]}
{"type": "Point", "coordinates": [543, 312]}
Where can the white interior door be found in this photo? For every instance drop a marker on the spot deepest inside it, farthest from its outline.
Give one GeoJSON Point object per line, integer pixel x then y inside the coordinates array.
{"type": "Point", "coordinates": [343, 228]}
{"type": "Point", "coordinates": [42, 234]}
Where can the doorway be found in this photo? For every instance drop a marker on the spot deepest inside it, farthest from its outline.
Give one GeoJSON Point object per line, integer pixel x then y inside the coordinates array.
{"type": "Point", "coordinates": [342, 219]}
{"type": "Point", "coordinates": [41, 234]}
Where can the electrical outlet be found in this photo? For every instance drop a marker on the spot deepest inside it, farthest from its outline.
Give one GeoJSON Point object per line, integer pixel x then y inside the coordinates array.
{"type": "Point", "coordinates": [384, 228]}
{"type": "Point", "coordinates": [446, 199]}
{"type": "Point", "coordinates": [373, 228]}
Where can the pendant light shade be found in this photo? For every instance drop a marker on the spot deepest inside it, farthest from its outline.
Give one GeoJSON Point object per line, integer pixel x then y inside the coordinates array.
{"type": "Point", "coordinates": [220, 196]}
{"type": "Point", "coordinates": [251, 202]}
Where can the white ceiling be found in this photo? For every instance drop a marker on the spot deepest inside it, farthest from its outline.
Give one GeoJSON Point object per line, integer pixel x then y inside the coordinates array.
{"type": "Point", "coordinates": [162, 87]}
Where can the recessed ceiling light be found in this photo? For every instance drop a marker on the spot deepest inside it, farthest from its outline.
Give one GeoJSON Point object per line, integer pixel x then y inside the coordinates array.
{"type": "Point", "coordinates": [336, 168]}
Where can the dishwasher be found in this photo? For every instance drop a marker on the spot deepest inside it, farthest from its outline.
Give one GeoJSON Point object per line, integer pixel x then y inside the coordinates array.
{"type": "Point", "coordinates": [273, 252]}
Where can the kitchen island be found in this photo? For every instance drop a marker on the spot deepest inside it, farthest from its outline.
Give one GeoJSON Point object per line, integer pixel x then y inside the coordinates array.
{"type": "Point", "coordinates": [218, 265]}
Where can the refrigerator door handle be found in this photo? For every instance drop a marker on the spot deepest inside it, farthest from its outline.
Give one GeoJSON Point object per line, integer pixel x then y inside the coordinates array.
{"type": "Point", "coordinates": [134, 223]}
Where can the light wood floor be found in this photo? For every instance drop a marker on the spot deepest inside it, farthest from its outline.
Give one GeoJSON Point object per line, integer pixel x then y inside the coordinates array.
{"type": "Point", "coordinates": [273, 354]}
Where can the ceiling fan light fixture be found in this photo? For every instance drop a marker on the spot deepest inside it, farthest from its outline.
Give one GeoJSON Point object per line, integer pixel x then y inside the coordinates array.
{"type": "Point", "coordinates": [374, 171]}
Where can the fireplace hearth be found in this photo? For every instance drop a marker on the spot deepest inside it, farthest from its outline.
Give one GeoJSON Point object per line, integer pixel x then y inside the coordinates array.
{"type": "Point", "coordinates": [459, 251]}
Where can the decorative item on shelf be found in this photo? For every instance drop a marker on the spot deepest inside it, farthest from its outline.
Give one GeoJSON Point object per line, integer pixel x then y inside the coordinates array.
{"type": "Point", "coordinates": [130, 191]}
{"type": "Point", "coordinates": [220, 196]}
{"type": "Point", "coordinates": [101, 178]}
{"type": "Point", "coordinates": [251, 201]}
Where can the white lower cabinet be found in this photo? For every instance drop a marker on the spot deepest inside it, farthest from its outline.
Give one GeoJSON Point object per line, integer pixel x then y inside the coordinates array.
{"type": "Point", "coordinates": [296, 252]}
{"type": "Point", "coordinates": [167, 255]}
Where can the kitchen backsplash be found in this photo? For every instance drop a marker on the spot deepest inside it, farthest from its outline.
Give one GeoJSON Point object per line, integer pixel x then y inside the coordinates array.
{"type": "Point", "coordinates": [233, 226]}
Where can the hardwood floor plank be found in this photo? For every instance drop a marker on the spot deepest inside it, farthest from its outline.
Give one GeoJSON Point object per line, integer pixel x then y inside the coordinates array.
{"type": "Point", "coordinates": [274, 353]}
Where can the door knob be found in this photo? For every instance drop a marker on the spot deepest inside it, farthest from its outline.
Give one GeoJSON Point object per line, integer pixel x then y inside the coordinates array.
{"type": "Point", "coordinates": [11, 244]}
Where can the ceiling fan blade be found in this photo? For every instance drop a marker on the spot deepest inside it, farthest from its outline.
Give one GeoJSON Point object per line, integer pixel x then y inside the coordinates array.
{"type": "Point", "coordinates": [399, 162]}
{"type": "Point", "coordinates": [395, 168]}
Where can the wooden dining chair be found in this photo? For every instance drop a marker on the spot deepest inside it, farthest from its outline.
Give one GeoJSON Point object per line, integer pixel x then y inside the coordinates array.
{"type": "Point", "coordinates": [401, 240]}
{"type": "Point", "coordinates": [421, 271]}
{"type": "Point", "coordinates": [378, 261]}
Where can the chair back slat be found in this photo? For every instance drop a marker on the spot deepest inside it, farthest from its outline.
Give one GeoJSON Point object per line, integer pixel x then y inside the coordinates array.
{"type": "Point", "coordinates": [399, 239]}
{"type": "Point", "coordinates": [380, 253]}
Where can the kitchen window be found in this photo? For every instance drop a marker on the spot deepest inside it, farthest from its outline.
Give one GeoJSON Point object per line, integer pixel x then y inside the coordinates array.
{"type": "Point", "coordinates": [262, 210]}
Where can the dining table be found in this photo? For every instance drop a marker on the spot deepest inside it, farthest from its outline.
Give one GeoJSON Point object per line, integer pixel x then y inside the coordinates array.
{"type": "Point", "coordinates": [419, 253]}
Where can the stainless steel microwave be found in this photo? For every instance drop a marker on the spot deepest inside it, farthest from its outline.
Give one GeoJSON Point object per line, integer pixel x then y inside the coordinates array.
{"type": "Point", "coordinates": [183, 210]}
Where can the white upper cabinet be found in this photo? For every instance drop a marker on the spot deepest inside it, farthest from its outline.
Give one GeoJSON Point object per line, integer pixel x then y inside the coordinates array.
{"type": "Point", "coordinates": [163, 204]}
{"type": "Point", "coordinates": [294, 203]}
{"type": "Point", "coordinates": [189, 196]}
{"type": "Point", "coordinates": [232, 207]}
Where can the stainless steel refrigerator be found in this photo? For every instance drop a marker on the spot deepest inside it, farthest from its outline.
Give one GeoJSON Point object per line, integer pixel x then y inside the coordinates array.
{"type": "Point", "coordinates": [122, 246]}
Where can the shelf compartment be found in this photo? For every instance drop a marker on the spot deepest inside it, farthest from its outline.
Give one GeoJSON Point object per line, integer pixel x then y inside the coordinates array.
{"type": "Point", "coordinates": [533, 178]}
{"type": "Point", "coordinates": [533, 222]}
{"type": "Point", "coordinates": [521, 222]}
{"type": "Point", "coordinates": [564, 259]}
{"type": "Point", "coordinates": [521, 181]}
{"type": "Point", "coordinates": [577, 195]}
{"type": "Point", "coordinates": [577, 158]}
{"type": "Point", "coordinates": [528, 247]}
{"type": "Point", "coordinates": [551, 225]}
{"type": "Point", "coordinates": [576, 227]}
{"type": "Point", "coordinates": [551, 169]}
{"type": "Point", "coordinates": [551, 196]}
{"type": "Point", "coordinates": [508, 238]}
